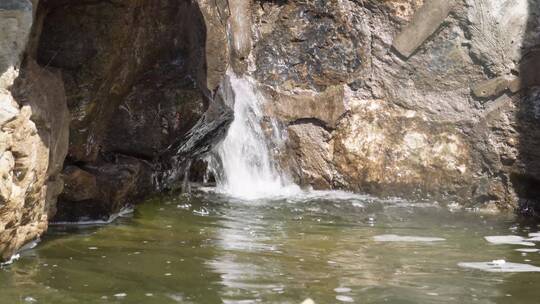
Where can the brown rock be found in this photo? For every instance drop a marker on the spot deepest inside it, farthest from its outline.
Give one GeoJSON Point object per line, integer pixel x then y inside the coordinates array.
{"type": "Point", "coordinates": [80, 185]}
{"type": "Point", "coordinates": [110, 46]}
{"type": "Point", "coordinates": [215, 49]}
{"type": "Point", "coordinates": [327, 106]}
{"type": "Point", "coordinates": [313, 152]}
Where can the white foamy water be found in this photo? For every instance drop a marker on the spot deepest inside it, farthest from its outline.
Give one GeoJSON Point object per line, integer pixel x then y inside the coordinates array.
{"type": "Point", "coordinates": [247, 168]}
{"type": "Point", "coordinates": [127, 210]}
{"type": "Point", "coordinates": [12, 259]}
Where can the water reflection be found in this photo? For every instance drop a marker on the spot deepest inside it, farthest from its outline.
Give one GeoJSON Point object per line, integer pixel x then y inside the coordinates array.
{"type": "Point", "coordinates": [210, 249]}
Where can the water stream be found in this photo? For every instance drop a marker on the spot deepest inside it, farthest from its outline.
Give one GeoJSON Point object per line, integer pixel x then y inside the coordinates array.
{"type": "Point", "coordinates": [247, 168]}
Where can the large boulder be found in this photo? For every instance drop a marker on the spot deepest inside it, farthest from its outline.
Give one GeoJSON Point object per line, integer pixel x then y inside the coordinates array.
{"type": "Point", "coordinates": [34, 124]}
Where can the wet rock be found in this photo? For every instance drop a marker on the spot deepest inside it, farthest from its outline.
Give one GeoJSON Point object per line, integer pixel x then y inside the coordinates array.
{"type": "Point", "coordinates": [215, 48]}
{"type": "Point", "coordinates": [110, 186]}
{"type": "Point", "coordinates": [101, 61]}
{"type": "Point", "coordinates": [312, 148]}
{"type": "Point", "coordinates": [139, 77]}
{"type": "Point", "coordinates": [161, 108]}
{"type": "Point", "coordinates": [529, 67]}
{"type": "Point", "coordinates": [240, 29]}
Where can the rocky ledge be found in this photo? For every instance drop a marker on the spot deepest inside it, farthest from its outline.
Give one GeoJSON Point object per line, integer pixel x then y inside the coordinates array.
{"type": "Point", "coordinates": [419, 99]}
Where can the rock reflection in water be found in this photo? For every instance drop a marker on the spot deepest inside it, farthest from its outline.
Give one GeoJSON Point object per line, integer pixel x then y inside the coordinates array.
{"type": "Point", "coordinates": [313, 246]}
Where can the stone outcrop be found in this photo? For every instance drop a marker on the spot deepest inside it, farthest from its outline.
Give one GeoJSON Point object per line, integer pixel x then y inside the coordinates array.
{"type": "Point", "coordinates": [425, 22]}
{"type": "Point", "coordinates": [33, 133]}
{"type": "Point", "coordinates": [434, 95]}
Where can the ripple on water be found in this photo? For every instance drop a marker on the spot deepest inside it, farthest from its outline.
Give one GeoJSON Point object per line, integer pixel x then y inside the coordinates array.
{"type": "Point", "coordinates": [508, 240]}
{"type": "Point", "coordinates": [343, 298]}
{"type": "Point", "coordinates": [499, 266]}
{"type": "Point", "coordinates": [528, 250]}
{"type": "Point", "coordinates": [342, 289]}
{"type": "Point", "coordinates": [411, 239]}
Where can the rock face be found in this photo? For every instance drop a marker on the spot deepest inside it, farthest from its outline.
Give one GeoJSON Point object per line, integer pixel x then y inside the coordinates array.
{"type": "Point", "coordinates": [429, 98]}
{"type": "Point", "coordinates": [33, 133]}
{"type": "Point", "coordinates": [137, 80]}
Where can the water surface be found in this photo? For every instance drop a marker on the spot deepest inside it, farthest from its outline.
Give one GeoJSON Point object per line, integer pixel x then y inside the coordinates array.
{"type": "Point", "coordinates": [208, 248]}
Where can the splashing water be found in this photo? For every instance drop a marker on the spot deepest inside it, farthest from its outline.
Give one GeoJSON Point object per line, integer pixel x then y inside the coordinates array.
{"type": "Point", "coordinates": [247, 168]}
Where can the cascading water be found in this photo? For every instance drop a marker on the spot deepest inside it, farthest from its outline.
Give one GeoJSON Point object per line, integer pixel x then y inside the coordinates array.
{"type": "Point", "coordinates": [247, 169]}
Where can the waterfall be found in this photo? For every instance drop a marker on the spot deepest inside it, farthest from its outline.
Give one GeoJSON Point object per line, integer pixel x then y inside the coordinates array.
{"type": "Point", "coordinates": [246, 167]}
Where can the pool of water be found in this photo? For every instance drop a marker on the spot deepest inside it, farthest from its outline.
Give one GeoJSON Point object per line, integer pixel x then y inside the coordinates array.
{"type": "Point", "coordinates": [331, 248]}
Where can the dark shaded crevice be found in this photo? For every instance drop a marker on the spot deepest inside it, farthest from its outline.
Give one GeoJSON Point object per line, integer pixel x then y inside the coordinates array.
{"type": "Point", "coordinates": [135, 74]}
{"type": "Point", "coordinates": [526, 176]}
{"type": "Point", "coordinates": [314, 121]}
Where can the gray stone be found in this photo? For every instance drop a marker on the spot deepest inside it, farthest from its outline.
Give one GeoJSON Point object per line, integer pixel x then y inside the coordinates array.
{"type": "Point", "coordinates": [8, 111]}
{"type": "Point", "coordinates": [240, 30]}
{"type": "Point", "coordinates": [424, 23]}
{"type": "Point", "coordinates": [494, 87]}
{"type": "Point", "coordinates": [15, 25]}
{"type": "Point", "coordinates": [497, 32]}
{"type": "Point", "coordinates": [16, 5]}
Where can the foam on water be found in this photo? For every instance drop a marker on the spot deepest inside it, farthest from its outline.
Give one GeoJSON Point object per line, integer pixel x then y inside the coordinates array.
{"type": "Point", "coordinates": [533, 239]}
{"type": "Point", "coordinates": [12, 259]}
{"type": "Point", "coordinates": [534, 234]}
